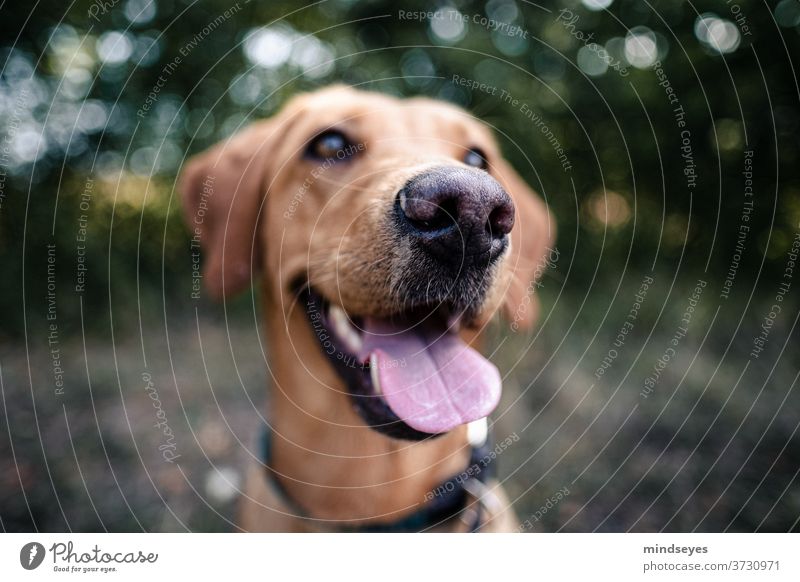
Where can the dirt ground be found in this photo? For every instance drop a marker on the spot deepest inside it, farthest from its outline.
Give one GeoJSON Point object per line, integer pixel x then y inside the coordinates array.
{"type": "Point", "coordinates": [156, 439]}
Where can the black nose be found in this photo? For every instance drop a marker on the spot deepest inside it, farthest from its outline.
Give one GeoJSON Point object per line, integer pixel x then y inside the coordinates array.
{"type": "Point", "coordinates": [458, 214]}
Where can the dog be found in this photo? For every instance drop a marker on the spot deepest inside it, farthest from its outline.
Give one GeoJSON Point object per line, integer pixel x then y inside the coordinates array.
{"type": "Point", "coordinates": [386, 234]}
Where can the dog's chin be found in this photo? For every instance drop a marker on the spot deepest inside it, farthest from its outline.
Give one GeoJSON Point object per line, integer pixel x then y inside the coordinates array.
{"type": "Point", "coordinates": [409, 375]}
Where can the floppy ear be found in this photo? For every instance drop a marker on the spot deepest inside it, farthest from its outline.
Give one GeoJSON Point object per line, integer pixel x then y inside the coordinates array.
{"type": "Point", "coordinates": [532, 237]}
{"type": "Point", "coordinates": [222, 189]}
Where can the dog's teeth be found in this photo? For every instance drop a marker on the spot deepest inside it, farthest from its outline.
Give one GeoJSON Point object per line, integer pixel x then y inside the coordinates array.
{"type": "Point", "coordinates": [338, 317]}
{"type": "Point", "coordinates": [344, 329]}
{"type": "Point", "coordinates": [373, 374]}
{"type": "Point", "coordinates": [477, 432]}
{"type": "Point", "coordinates": [356, 340]}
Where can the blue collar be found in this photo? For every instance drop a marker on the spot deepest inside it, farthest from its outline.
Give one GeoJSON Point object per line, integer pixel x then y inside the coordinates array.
{"type": "Point", "coordinates": [450, 499]}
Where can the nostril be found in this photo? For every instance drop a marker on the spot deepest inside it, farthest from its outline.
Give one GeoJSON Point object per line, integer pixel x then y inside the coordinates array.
{"type": "Point", "coordinates": [500, 221]}
{"type": "Point", "coordinates": [429, 216]}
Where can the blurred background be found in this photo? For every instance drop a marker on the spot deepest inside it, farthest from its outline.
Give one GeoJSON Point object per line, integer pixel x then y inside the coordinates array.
{"type": "Point", "coordinates": [663, 135]}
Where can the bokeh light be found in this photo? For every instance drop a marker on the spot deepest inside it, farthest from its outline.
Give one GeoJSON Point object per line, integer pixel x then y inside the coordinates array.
{"type": "Point", "coordinates": [717, 33]}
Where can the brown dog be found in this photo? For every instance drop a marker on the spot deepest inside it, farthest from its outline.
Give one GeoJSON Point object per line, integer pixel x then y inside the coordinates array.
{"type": "Point", "coordinates": [387, 233]}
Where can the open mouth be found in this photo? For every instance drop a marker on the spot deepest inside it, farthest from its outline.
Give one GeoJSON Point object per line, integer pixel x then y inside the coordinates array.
{"type": "Point", "coordinates": [410, 376]}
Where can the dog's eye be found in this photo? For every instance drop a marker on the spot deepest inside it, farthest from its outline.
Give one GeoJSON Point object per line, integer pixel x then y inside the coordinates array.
{"type": "Point", "coordinates": [476, 158]}
{"type": "Point", "coordinates": [330, 145]}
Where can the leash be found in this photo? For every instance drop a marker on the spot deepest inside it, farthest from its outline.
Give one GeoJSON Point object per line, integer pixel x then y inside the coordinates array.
{"type": "Point", "coordinates": [464, 496]}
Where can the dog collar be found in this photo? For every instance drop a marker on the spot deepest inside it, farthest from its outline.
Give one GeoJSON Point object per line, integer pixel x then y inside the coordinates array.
{"type": "Point", "coordinates": [461, 496]}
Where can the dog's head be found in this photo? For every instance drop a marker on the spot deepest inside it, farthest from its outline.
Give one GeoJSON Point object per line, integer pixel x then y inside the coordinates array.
{"type": "Point", "coordinates": [398, 225]}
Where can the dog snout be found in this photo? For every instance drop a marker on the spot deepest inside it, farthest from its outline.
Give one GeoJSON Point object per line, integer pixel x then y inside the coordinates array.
{"type": "Point", "coordinates": [457, 214]}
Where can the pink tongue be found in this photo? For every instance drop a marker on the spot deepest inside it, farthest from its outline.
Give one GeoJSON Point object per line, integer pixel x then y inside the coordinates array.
{"type": "Point", "coordinates": [432, 380]}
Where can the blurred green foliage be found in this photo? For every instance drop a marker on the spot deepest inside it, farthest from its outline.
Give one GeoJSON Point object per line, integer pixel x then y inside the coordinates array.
{"type": "Point", "coordinates": [76, 79]}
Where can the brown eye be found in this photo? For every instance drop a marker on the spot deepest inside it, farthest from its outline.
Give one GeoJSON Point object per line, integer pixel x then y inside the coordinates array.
{"type": "Point", "coordinates": [476, 158]}
{"type": "Point", "coordinates": [330, 145]}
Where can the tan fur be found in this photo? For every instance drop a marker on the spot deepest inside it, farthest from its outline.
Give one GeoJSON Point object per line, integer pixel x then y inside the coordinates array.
{"type": "Point", "coordinates": [268, 214]}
